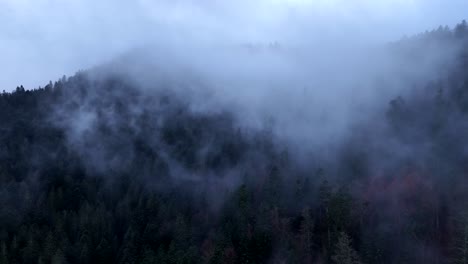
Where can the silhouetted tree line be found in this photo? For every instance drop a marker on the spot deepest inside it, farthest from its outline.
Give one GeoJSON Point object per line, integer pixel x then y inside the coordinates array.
{"type": "Point", "coordinates": [94, 170]}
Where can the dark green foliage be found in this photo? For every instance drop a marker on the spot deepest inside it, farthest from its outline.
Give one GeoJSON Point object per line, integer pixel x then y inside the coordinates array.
{"type": "Point", "coordinates": [344, 253]}
{"type": "Point", "coordinates": [100, 171]}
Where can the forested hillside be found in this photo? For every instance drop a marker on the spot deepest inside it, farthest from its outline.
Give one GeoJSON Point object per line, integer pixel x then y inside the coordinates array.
{"type": "Point", "coordinates": [97, 170]}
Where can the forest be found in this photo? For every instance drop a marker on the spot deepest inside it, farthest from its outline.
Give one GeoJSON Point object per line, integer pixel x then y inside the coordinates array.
{"type": "Point", "coordinates": [96, 170]}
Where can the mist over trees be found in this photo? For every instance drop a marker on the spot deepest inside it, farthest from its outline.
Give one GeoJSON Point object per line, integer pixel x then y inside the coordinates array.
{"type": "Point", "coordinates": [98, 168]}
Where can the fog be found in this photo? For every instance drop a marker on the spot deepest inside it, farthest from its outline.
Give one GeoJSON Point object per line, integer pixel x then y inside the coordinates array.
{"type": "Point", "coordinates": [295, 122]}
{"type": "Point", "coordinates": [43, 39]}
{"type": "Point", "coordinates": [309, 70]}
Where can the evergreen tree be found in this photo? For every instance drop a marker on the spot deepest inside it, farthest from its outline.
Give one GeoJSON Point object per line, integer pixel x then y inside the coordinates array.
{"type": "Point", "coordinates": [3, 253]}
{"type": "Point", "coordinates": [344, 253]}
{"type": "Point", "coordinates": [461, 240]}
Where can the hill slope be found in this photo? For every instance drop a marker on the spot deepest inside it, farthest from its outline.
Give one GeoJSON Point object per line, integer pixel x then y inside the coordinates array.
{"type": "Point", "coordinates": [100, 170]}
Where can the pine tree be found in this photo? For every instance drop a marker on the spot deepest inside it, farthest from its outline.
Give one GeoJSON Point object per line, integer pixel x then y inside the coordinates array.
{"type": "Point", "coordinates": [344, 253]}
{"type": "Point", "coordinates": [49, 246]}
{"type": "Point", "coordinates": [461, 241]}
{"type": "Point", "coordinates": [325, 193]}
{"type": "Point", "coordinates": [3, 253]}
{"type": "Point", "coordinates": [104, 251]}
{"type": "Point", "coordinates": [306, 236]}
{"type": "Point", "coordinates": [58, 258]}
{"type": "Point", "coordinates": [148, 257]}
{"type": "Point", "coordinates": [30, 253]}
{"type": "Point", "coordinates": [461, 29]}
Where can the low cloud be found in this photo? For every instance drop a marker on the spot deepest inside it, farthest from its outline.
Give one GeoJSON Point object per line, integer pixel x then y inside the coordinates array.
{"type": "Point", "coordinates": [44, 39]}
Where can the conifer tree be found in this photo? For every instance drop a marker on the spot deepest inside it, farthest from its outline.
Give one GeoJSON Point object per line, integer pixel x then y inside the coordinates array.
{"type": "Point", "coordinates": [344, 253]}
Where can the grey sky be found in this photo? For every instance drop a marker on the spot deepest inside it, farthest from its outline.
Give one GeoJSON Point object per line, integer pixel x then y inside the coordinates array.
{"type": "Point", "coordinates": [40, 40]}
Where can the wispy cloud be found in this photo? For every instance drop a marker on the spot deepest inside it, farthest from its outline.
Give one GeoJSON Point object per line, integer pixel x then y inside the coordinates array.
{"type": "Point", "coordinates": [43, 39]}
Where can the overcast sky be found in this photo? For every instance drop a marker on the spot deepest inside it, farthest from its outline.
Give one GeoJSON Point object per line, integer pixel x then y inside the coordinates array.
{"type": "Point", "coordinates": [41, 40]}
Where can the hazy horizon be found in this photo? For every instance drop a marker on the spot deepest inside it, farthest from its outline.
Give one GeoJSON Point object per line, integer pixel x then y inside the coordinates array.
{"type": "Point", "coordinates": [42, 40]}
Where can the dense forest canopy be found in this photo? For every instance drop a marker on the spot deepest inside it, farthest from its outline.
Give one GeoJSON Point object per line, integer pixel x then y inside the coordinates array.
{"type": "Point", "coordinates": [96, 169]}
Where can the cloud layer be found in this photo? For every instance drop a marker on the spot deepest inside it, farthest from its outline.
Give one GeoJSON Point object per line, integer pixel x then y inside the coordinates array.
{"type": "Point", "coordinates": [44, 39]}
